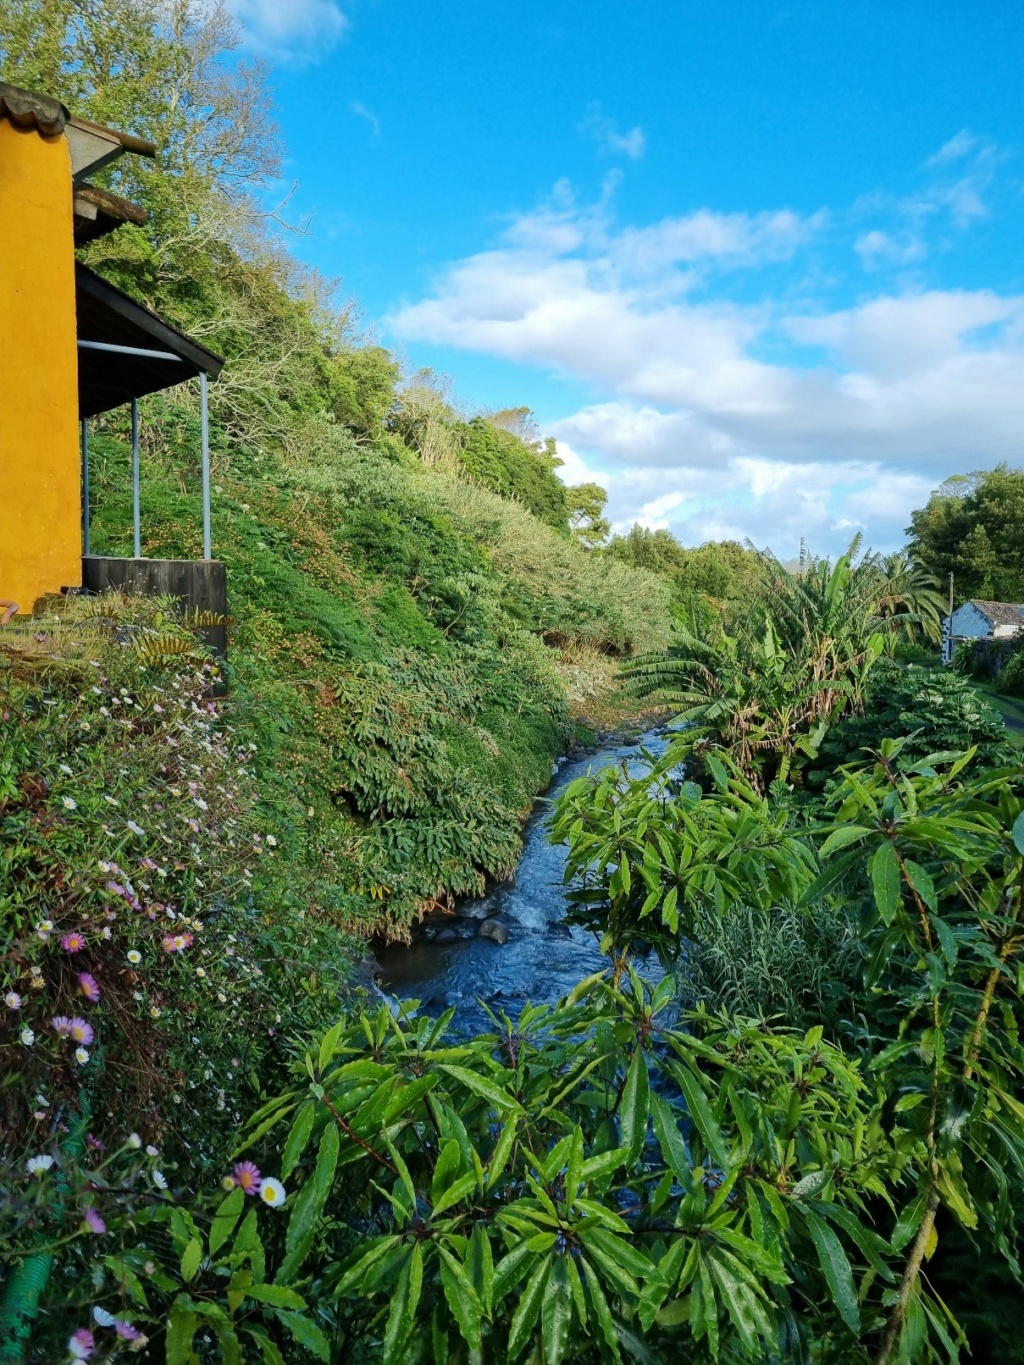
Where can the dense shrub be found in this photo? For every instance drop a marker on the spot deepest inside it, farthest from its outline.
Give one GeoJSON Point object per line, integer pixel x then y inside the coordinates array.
{"type": "Point", "coordinates": [149, 964]}
{"type": "Point", "coordinates": [514, 468]}
{"type": "Point", "coordinates": [923, 861]}
{"type": "Point", "coordinates": [1011, 677]}
{"type": "Point", "coordinates": [933, 709]}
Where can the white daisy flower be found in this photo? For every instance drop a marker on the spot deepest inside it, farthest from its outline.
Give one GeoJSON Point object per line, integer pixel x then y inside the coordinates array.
{"type": "Point", "coordinates": [272, 1192]}
{"type": "Point", "coordinates": [36, 1165]}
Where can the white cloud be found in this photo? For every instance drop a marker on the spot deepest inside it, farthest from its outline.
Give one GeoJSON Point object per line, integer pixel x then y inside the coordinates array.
{"type": "Point", "coordinates": [959, 146]}
{"type": "Point", "coordinates": [360, 110]}
{"type": "Point", "coordinates": [724, 396]}
{"type": "Point", "coordinates": [877, 248]}
{"type": "Point", "coordinates": [605, 132]}
{"type": "Point", "coordinates": [290, 30]}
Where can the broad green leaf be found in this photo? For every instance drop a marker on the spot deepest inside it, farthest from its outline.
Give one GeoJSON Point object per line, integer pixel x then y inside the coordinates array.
{"type": "Point", "coordinates": [574, 1168]}
{"type": "Point", "coordinates": [885, 879]}
{"type": "Point", "coordinates": [275, 1295]}
{"type": "Point", "coordinates": [602, 1312]}
{"type": "Point", "coordinates": [225, 1218]}
{"type": "Point", "coordinates": [480, 1266]}
{"type": "Point", "coordinates": [456, 1191]}
{"type": "Point", "coordinates": [839, 838]}
{"type": "Point", "coordinates": [835, 1266]}
{"type": "Point", "coordinates": [670, 1137]}
{"type": "Point", "coordinates": [307, 1334]}
{"type": "Point", "coordinates": [448, 1162]}
{"type": "Point", "coordinates": [270, 1353]}
{"type": "Point", "coordinates": [528, 1309]}
{"type": "Point", "coordinates": [633, 1111]}
{"type": "Point", "coordinates": [511, 1269]}
{"type": "Point", "coordinates": [329, 1043]}
{"type": "Point", "coordinates": [700, 1112]}
{"type": "Point", "coordinates": [502, 1152]}
{"type": "Point", "coordinates": [462, 1300]}
{"type": "Point", "coordinates": [486, 1089]}
{"type": "Point", "coordinates": [264, 1128]}
{"type": "Point", "coordinates": [620, 1250]}
{"type": "Point", "coordinates": [908, 1222]}
{"type": "Point", "coordinates": [181, 1330]}
{"type": "Point", "coordinates": [369, 1260]}
{"type": "Point", "coordinates": [192, 1259]}
{"type": "Point", "coordinates": [404, 1302]}
{"type": "Point", "coordinates": [603, 1164]}
{"type": "Point", "coordinates": [556, 1310]}
{"type": "Point", "coordinates": [297, 1138]}
{"type": "Point", "coordinates": [1017, 833]}
{"type": "Point", "coordinates": [922, 883]}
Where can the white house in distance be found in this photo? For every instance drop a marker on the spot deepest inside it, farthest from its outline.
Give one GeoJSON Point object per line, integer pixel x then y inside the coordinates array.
{"type": "Point", "coordinates": [981, 620]}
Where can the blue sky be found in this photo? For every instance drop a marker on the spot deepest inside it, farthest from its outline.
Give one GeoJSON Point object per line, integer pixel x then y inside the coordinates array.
{"type": "Point", "coordinates": [756, 266]}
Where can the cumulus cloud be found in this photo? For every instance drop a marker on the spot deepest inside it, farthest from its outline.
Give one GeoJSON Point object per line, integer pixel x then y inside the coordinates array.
{"type": "Point", "coordinates": [726, 397]}
{"type": "Point", "coordinates": [290, 30]}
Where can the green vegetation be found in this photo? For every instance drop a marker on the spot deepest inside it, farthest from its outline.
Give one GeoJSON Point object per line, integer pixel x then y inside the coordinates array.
{"type": "Point", "coordinates": [971, 528]}
{"type": "Point", "coordinates": [725, 572]}
{"type": "Point", "coordinates": [810, 1165]}
{"type": "Point", "coordinates": [888, 924]}
{"type": "Point", "coordinates": [769, 680]}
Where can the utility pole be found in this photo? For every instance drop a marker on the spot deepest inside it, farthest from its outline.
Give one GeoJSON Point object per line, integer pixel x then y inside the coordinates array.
{"type": "Point", "coordinates": [950, 631]}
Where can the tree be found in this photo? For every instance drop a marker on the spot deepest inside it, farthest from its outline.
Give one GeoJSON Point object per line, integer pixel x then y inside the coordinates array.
{"type": "Point", "coordinates": [971, 527]}
{"type": "Point", "coordinates": [770, 679]}
{"type": "Point", "coordinates": [587, 522]}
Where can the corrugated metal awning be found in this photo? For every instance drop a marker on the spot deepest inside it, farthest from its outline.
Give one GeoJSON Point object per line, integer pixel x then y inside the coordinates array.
{"type": "Point", "coordinates": [109, 317]}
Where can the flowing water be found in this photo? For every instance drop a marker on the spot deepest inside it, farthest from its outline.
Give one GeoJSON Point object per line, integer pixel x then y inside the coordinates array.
{"type": "Point", "coordinates": [544, 957]}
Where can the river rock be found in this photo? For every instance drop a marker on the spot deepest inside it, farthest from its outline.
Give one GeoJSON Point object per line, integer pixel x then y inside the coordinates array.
{"type": "Point", "coordinates": [494, 930]}
{"type": "Point", "coordinates": [445, 936]}
{"type": "Point", "coordinates": [557, 929]}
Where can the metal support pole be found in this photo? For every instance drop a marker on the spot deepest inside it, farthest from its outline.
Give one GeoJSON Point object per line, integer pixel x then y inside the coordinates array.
{"type": "Point", "coordinates": [136, 518]}
{"type": "Point", "coordinates": [85, 488]}
{"type": "Point", "coordinates": [204, 418]}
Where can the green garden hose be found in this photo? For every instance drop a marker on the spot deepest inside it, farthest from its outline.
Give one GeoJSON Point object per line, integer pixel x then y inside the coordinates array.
{"type": "Point", "coordinates": [25, 1285]}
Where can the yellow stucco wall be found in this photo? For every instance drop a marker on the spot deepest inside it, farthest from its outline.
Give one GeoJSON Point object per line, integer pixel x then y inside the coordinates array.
{"type": "Point", "coordinates": [40, 498]}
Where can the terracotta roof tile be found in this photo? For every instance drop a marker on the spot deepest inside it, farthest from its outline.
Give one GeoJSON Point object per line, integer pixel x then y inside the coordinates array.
{"type": "Point", "coordinates": [1000, 613]}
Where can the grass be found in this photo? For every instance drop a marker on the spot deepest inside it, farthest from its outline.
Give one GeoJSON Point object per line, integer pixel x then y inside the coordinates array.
{"type": "Point", "coordinates": [1010, 708]}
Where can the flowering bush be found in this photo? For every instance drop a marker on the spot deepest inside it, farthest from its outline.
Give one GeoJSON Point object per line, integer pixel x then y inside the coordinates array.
{"type": "Point", "coordinates": [128, 1242]}
{"type": "Point", "coordinates": [137, 888]}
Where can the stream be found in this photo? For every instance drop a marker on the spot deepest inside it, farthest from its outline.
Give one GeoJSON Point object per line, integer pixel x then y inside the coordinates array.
{"type": "Point", "coordinates": [450, 963]}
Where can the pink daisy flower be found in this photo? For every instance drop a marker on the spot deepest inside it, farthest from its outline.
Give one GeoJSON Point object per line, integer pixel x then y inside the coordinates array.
{"type": "Point", "coordinates": [248, 1176]}
{"type": "Point", "coordinates": [89, 986]}
{"type": "Point", "coordinates": [80, 1030]}
{"type": "Point", "coordinates": [95, 1222]}
{"type": "Point", "coordinates": [126, 1331]}
{"type": "Point", "coordinates": [61, 1025]}
{"type": "Point", "coordinates": [73, 942]}
{"type": "Point", "coordinates": [81, 1344]}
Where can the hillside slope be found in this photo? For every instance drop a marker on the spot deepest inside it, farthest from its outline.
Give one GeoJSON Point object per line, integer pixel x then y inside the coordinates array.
{"type": "Point", "coordinates": [388, 654]}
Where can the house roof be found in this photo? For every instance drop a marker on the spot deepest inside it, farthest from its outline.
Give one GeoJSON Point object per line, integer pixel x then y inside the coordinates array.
{"type": "Point", "coordinates": [92, 145]}
{"type": "Point", "coordinates": [106, 378]}
{"type": "Point", "coordinates": [97, 212]}
{"type": "Point", "coordinates": [1000, 613]}
{"type": "Point", "coordinates": [26, 109]}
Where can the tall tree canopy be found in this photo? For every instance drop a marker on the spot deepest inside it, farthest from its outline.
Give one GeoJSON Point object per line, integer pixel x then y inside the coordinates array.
{"type": "Point", "coordinates": [973, 527]}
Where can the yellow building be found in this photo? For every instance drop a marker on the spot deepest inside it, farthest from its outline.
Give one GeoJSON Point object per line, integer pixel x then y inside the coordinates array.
{"type": "Point", "coordinates": [71, 345]}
